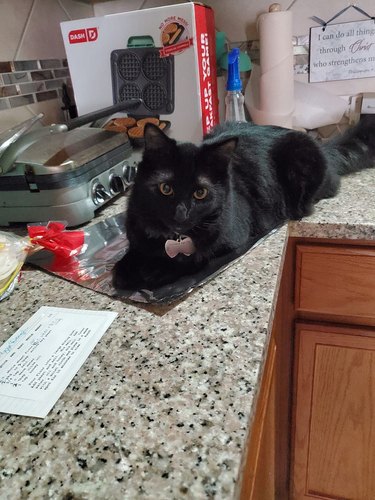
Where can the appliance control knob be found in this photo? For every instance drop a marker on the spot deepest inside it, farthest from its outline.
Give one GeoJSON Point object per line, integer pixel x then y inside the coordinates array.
{"type": "Point", "coordinates": [99, 194]}
{"type": "Point", "coordinates": [116, 184]}
{"type": "Point", "coordinates": [129, 174]}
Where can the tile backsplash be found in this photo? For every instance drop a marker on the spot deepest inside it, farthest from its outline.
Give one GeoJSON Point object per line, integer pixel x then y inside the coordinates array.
{"type": "Point", "coordinates": [29, 82]}
{"type": "Point", "coordinates": [33, 66]}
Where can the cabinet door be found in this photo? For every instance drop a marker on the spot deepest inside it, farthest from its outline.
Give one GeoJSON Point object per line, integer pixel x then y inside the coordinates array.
{"type": "Point", "coordinates": [258, 481]}
{"type": "Point", "coordinates": [265, 472]}
{"type": "Point", "coordinates": [333, 453]}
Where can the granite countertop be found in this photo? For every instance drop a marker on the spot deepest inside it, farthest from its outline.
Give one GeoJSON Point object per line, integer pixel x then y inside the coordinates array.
{"type": "Point", "coordinates": [162, 407]}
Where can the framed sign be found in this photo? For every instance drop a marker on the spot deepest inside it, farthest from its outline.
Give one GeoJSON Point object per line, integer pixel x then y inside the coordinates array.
{"type": "Point", "coordinates": [342, 51]}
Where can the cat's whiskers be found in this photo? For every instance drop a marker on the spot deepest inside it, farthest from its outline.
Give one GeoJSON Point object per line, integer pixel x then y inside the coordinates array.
{"type": "Point", "coordinates": [210, 220]}
{"type": "Point", "coordinates": [203, 226]}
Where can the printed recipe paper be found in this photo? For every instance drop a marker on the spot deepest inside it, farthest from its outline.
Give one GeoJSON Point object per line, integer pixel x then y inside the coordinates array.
{"type": "Point", "coordinates": [40, 359]}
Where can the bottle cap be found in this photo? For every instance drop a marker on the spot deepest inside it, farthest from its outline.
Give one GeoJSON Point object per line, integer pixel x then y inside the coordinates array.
{"type": "Point", "coordinates": [234, 80]}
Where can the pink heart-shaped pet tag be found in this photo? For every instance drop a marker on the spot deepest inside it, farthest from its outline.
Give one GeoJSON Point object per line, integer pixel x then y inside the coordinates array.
{"type": "Point", "coordinates": [183, 245]}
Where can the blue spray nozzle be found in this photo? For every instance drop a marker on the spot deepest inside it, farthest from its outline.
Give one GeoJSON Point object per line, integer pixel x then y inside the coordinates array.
{"type": "Point", "coordinates": [234, 80]}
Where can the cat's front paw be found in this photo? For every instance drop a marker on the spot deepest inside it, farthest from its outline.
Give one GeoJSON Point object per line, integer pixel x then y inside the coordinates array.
{"type": "Point", "coordinates": [139, 272]}
{"type": "Point", "coordinates": [126, 275]}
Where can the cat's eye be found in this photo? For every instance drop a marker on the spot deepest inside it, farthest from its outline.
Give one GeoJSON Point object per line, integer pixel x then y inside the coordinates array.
{"type": "Point", "coordinates": [166, 189]}
{"type": "Point", "coordinates": [200, 193]}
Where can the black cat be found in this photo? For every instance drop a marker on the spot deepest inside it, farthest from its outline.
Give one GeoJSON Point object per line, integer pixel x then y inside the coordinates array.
{"type": "Point", "coordinates": [191, 204]}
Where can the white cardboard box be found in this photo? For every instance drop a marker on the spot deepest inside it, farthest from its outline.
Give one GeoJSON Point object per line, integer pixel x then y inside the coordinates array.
{"type": "Point", "coordinates": [164, 55]}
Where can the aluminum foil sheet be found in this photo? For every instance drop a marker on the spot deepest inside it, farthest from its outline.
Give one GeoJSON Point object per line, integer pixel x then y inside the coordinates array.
{"type": "Point", "coordinates": [105, 244]}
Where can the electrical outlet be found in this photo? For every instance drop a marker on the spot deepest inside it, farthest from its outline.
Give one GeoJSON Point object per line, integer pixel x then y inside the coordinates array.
{"type": "Point", "coordinates": [354, 109]}
{"type": "Point", "coordinates": [368, 103]}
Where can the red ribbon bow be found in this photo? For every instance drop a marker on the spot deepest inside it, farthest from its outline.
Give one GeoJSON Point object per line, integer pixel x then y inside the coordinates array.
{"type": "Point", "coordinates": [54, 237]}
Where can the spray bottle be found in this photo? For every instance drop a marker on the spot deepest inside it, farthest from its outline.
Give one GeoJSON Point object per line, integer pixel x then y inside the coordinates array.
{"type": "Point", "coordinates": [234, 100]}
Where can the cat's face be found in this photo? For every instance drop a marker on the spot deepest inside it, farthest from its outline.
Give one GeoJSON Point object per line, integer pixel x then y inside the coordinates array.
{"type": "Point", "coordinates": [181, 188]}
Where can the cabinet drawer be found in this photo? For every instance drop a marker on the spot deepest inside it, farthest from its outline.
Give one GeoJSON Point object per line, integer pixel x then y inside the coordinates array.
{"type": "Point", "coordinates": [335, 280]}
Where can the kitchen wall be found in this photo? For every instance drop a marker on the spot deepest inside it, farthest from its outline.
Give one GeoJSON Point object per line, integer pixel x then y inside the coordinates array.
{"type": "Point", "coordinates": [239, 23]}
{"type": "Point", "coordinates": [30, 33]}
{"type": "Point", "coordinates": [32, 57]}
{"type": "Point", "coordinates": [238, 20]}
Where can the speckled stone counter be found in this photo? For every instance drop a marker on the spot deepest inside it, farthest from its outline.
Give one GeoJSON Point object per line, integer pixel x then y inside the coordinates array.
{"type": "Point", "coordinates": [162, 407]}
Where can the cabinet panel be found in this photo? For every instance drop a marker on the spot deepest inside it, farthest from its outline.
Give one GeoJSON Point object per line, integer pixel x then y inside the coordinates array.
{"type": "Point", "coordinates": [266, 462]}
{"type": "Point", "coordinates": [334, 423]}
{"type": "Point", "coordinates": [336, 280]}
{"type": "Point", "coordinates": [258, 482]}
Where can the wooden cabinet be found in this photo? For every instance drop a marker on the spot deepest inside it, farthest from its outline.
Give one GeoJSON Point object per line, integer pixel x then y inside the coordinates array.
{"type": "Point", "coordinates": [265, 472]}
{"type": "Point", "coordinates": [333, 433]}
{"type": "Point", "coordinates": [259, 469]}
{"type": "Point", "coordinates": [313, 433]}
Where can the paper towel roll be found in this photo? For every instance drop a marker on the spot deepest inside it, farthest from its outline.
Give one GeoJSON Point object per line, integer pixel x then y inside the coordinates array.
{"type": "Point", "coordinates": [276, 86]}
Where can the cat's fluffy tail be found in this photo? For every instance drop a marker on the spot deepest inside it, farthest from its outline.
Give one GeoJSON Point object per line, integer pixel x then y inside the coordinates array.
{"type": "Point", "coordinates": [355, 149]}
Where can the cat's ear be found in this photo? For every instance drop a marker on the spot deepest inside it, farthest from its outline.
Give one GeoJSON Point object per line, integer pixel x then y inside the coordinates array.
{"type": "Point", "coordinates": [224, 149]}
{"type": "Point", "coordinates": [155, 138]}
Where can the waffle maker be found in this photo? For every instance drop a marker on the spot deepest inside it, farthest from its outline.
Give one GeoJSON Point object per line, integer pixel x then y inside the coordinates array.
{"type": "Point", "coordinates": [138, 72]}
{"type": "Point", "coordinates": [62, 172]}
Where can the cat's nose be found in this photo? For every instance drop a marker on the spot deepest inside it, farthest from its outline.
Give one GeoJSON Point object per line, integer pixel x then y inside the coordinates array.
{"type": "Point", "coordinates": [181, 213]}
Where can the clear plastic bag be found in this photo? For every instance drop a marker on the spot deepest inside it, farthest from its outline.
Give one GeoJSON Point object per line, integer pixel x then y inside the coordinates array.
{"type": "Point", "coordinates": [14, 250]}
